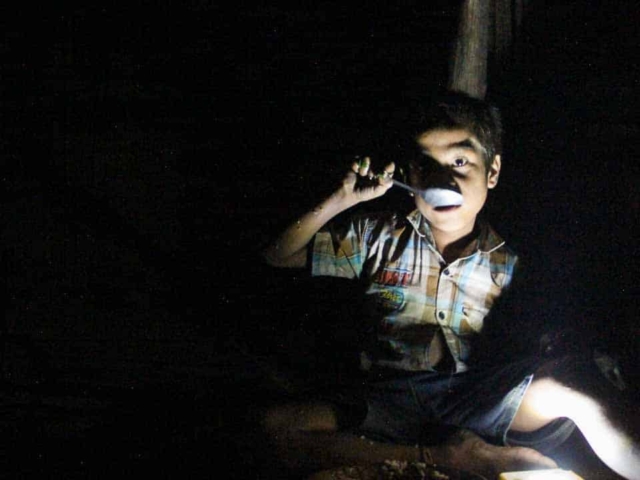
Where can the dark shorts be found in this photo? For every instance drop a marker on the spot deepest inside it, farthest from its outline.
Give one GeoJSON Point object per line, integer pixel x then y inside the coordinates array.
{"type": "Point", "coordinates": [422, 408]}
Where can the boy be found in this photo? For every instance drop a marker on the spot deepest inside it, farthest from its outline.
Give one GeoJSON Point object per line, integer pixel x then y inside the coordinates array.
{"type": "Point", "coordinates": [431, 279]}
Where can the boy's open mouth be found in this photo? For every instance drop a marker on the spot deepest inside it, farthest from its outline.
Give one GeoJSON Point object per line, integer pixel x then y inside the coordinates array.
{"type": "Point", "coordinates": [446, 208]}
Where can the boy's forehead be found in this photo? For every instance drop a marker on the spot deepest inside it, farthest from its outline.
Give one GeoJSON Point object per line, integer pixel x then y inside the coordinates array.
{"type": "Point", "coordinates": [439, 139]}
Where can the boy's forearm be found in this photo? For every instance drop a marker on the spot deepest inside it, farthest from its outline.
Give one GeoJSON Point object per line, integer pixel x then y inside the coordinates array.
{"type": "Point", "coordinates": [290, 248]}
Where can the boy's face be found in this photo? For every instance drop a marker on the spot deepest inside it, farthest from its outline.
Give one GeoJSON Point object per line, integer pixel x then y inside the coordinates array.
{"type": "Point", "coordinates": [459, 158]}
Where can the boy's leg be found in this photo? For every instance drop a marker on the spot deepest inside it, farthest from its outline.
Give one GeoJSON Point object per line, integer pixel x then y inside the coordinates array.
{"type": "Point", "coordinates": [608, 423]}
{"type": "Point", "coordinates": [306, 437]}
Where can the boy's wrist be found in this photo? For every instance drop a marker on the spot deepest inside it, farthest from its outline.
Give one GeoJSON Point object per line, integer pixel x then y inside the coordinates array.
{"type": "Point", "coordinates": [339, 202]}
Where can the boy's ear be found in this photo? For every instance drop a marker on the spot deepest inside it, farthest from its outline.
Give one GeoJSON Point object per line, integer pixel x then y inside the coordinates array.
{"type": "Point", "coordinates": [494, 172]}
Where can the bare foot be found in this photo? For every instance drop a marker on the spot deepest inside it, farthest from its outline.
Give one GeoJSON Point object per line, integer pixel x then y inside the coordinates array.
{"type": "Point", "coordinates": [467, 451]}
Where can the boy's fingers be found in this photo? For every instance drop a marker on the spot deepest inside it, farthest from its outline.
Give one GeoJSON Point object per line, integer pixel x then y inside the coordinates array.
{"type": "Point", "coordinates": [387, 174]}
{"type": "Point", "coordinates": [390, 168]}
{"type": "Point", "coordinates": [360, 163]}
{"type": "Point", "coordinates": [363, 169]}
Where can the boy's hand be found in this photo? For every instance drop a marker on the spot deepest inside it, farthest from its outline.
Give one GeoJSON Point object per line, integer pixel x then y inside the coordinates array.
{"type": "Point", "coordinates": [361, 184]}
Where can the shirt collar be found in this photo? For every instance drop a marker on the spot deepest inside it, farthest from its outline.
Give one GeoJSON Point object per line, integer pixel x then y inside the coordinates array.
{"type": "Point", "coordinates": [486, 242]}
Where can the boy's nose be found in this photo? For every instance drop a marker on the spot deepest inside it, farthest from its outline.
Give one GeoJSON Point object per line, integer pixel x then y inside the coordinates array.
{"type": "Point", "coordinates": [441, 176]}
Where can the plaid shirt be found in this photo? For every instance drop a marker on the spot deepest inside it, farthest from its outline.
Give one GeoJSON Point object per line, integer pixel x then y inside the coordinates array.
{"type": "Point", "coordinates": [412, 290]}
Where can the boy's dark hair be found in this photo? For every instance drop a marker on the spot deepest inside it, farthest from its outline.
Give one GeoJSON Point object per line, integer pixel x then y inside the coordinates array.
{"type": "Point", "coordinates": [458, 110]}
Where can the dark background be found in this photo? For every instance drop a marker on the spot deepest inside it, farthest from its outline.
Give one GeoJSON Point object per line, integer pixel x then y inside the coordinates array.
{"type": "Point", "coordinates": [150, 150]}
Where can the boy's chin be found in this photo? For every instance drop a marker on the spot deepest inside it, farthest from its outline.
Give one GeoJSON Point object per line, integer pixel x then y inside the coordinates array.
{"type": "Point", "coordinates": [446, 220]}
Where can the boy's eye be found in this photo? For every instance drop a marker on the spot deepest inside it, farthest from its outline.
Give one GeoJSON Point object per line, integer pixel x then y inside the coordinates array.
{"type": "Point", "coordinates": [460, 162]}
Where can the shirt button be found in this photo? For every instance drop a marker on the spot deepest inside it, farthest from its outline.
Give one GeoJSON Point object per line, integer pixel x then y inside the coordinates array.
{"type": "Point", "coordinates": [446, 272]}
{"type": "Point", "coordinates": [441, 315]}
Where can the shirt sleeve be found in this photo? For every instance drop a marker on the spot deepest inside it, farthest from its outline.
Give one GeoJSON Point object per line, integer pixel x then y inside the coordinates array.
{"type": "Point", "coordinates": [504, 267]}
{"type": "Point", "coordinates": [340, 249]}
{"type": "Point", "coordinates": [512, 267]}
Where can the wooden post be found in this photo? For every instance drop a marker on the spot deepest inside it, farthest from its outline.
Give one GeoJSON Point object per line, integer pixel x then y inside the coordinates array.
{"type": "Point", "coordinates": [485, 26]}
{"type": "Point", "coordinates": [471, 49]}
{"type": "Point", "coordinates": [504, 30]}
{"type": "Point", "coordinates": [519, 7]}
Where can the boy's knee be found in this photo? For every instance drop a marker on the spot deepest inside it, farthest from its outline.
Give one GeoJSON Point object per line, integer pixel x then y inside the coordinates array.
{"type": "Point", "coordinates": [552, 399]}
{"type": "Point", "coordinates": [295, 418]}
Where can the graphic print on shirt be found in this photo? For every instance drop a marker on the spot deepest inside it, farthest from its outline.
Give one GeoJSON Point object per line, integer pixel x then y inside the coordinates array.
{"type": "Point", "coordinates": [394, 276]}
{"type": "Point", "coordinates": [390, 299]}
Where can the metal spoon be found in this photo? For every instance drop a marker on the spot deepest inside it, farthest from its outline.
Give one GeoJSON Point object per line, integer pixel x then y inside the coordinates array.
{"type": "Point", "coordinates": [435, 196]}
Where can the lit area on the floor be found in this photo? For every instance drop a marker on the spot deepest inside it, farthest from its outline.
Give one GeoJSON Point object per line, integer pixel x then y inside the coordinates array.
{"type": "Point", "coordinates": [553, 474]}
